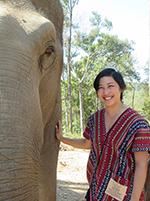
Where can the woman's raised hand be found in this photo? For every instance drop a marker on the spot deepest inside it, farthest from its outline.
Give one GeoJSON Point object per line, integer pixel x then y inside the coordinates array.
{"type": "Point", "coordinates": [58, 129]}
{"type": "Point", "coordinates": [78, 143]}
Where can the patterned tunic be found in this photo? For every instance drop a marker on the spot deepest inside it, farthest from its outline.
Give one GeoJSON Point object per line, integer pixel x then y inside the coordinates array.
{"type": "Point", "coordinates": [112, 152]}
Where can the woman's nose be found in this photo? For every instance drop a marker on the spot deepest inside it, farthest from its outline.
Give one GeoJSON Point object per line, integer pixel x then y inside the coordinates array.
{"type": "Point", "coordinates": [105, 91]}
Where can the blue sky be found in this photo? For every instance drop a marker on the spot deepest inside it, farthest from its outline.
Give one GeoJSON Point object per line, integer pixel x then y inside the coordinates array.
{"type": "Point", "coordinates": [129, 18]}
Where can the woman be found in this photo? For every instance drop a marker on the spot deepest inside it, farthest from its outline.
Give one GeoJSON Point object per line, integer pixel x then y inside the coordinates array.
{"type": "Point", "coordinates": [119, 139]}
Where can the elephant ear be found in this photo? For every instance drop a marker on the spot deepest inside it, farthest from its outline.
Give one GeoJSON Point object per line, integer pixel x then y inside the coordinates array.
{"type": "Point", "coordinates": [53, 11]}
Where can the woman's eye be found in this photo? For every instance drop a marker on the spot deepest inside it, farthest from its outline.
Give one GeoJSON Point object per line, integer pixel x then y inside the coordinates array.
{"type": "Point", "coordinates": [50, 50]}
{"type": "Point", "coordinates": [110, 86]}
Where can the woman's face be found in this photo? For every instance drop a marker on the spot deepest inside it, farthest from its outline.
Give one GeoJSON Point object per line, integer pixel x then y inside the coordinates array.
{"type": "Point", "coordinates": [109, 91]}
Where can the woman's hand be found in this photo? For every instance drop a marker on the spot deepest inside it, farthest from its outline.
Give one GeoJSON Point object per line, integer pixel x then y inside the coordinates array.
{"type": "Point", "coordinates": [78, 143]}
{"type": "Point", "coordinates": [59, 131]}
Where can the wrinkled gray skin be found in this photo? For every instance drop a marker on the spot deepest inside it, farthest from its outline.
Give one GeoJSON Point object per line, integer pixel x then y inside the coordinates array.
{"type": "Point", "coordinates": [30, 100]}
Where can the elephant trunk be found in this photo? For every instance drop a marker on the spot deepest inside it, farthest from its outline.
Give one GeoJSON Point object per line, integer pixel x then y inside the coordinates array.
{"type": "Point", "coordinates": [20, 135]}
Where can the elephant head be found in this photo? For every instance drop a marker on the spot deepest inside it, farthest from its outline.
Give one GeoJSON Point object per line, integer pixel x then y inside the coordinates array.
{"type": "Point", "coordinates": [30, 99]}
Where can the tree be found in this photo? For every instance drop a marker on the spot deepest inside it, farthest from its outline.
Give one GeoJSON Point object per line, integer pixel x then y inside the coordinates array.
{"type": "Point", "coordinates": [68, 6]}
{"type": "Point", "coordinates": [86, 43]}
{"type": "Point", "coordinates": [97, 50]}
{"type": "Point", "coordinates": [64, 95]}
{"type": "Point", "coordinates": [80, 81]}
{"type": "Point", "coordinates": [149, 50]}
{"type": "Point", "coordinates": [145, 87]}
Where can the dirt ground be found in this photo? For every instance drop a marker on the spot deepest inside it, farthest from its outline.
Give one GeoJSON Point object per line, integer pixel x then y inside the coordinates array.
{"type": "Point", "coordinates": [71, 174]}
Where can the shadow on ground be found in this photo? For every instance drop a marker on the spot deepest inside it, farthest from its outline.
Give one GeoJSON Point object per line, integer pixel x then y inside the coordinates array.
{"type": "Point", "coordinates": [71, 191]}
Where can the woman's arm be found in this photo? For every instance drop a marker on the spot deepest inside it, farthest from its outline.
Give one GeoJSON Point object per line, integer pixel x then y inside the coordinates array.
{"type": "Point", "coordinates": [141, 159]}
{"type": "Point", "coordinates": [78, 143]}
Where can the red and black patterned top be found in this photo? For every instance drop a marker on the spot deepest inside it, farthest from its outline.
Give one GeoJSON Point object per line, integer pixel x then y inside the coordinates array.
{"type": "Point", "coordinates": [112, 152]}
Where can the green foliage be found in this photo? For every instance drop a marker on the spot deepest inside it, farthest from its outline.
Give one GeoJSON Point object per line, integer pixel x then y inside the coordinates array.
{"type": "Point", "coordinates": [146, 108]}
{"type": "Point", "coordinates": [96, 21]}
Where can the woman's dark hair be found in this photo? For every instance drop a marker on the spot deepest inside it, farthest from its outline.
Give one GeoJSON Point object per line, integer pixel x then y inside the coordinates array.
{"type": "Point", "coordinates": [114, 74]}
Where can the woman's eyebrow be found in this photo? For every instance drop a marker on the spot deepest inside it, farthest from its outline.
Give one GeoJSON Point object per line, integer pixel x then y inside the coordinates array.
{"type": "Point", "coordinates": [110, 83]}
{"type": "Point", "coordinates": [107, 83]}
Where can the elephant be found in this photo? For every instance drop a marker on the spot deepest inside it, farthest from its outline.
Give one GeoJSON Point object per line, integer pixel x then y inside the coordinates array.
{"type": "Point", "coordinates": [31, 60]}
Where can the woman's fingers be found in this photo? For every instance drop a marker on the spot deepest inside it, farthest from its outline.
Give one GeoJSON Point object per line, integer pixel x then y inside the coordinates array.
{"type": "Point", "coordinates": [60, 125]}
{"type": "Point", "coordinates": [59, 130]}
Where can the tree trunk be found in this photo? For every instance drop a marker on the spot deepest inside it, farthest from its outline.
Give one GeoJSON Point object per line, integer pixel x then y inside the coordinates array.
{"type": "Point", "coordinates": [149, 45]}
{"type": "Point", "coordinates": [69, 67]}
{"type": "Point", "coordinates": [81, 108]}
{"type": "Point", "coordinates": [147, 184]}
{"type": "Point", "coordinates": [133, 94]}
{"type": "Point", "coordinates": [66, 111]}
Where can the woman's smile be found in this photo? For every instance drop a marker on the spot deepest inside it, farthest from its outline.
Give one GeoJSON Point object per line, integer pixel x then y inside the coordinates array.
{"type": "Point", "coordinates": [108, 98]}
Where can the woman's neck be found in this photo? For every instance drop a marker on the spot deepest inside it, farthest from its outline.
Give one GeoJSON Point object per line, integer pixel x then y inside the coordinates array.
{"type": "Point", "coordinates": [112, 114]}
{"type": "Point", "coordinates": [115, 110]}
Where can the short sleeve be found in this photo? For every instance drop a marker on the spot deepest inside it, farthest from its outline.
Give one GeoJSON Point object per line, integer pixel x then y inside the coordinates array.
{"type": "Point", "coordinates": [142, 137]}
{"type": "Point", "coordinates": [87, 132]}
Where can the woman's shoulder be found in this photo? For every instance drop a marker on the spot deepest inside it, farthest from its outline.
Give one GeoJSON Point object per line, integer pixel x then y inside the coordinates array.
{"type": "Point", "coordinates": [137, 118]}
{"type": "Point", "coordinates": [137, 114]}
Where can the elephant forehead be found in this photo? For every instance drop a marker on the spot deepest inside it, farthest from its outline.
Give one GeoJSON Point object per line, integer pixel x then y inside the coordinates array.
{"type": "Point", "coordinates": [27, 22]}
{"type": "Point", "coordinates": [34, 22]}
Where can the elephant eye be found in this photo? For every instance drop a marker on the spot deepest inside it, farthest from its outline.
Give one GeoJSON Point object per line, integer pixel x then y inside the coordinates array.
{"type": "Point", "coordinates": [50, 50]}
{"type": "Point", "coordinates": [47, 59]}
